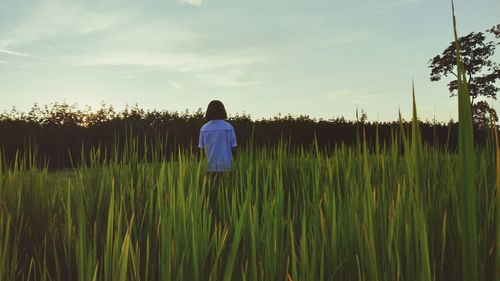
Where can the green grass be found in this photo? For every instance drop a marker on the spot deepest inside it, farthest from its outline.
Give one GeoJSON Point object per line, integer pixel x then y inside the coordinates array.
{"type": "Point", "coordinates": [354, 214]}
{"type": "Point", "coordinates": [357, 213]}
{"type": "Point", "coordinates": [496, 244]}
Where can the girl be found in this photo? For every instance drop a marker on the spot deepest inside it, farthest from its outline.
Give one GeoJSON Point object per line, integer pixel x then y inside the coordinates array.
{"type": "Point", "coordinates": [218, 139]}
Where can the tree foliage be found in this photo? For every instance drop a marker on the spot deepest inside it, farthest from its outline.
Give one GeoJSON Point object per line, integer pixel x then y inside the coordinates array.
{"type": "Point", "coordinates": [60, 131]}
{"type": "Point", "coordinates": [495, 30]}
{"type": "Point", "coordinates": [482, 72]}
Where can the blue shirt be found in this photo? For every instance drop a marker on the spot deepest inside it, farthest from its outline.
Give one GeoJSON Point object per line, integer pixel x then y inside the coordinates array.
{"type": "Point", "coordinates": [217, 137]}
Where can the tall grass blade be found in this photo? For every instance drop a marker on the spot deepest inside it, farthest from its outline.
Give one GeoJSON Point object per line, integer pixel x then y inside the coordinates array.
{"type": "Point", "coordinates": [466, 170]}
{"type": "Point", "coordinates": [496, 246]}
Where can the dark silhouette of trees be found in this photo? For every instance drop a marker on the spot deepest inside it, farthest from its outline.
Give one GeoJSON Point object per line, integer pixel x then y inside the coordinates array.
{"type": "Point", "coordinates": [482, 72]}
{"type": "Point", "coordinates": [495, 30]}
{"type": "Point", "coordinates": [60, 132]}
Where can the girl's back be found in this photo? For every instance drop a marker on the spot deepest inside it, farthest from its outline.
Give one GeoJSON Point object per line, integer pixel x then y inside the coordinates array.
{"type": "Point", "coordinates": [217, 138]}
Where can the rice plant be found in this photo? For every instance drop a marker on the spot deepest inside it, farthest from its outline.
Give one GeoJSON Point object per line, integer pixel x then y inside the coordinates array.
{"type": "Point", "coordinates": [289, 214]}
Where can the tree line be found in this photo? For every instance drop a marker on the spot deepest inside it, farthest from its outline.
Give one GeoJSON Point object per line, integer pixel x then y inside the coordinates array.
{"type": "Point", "coordinates": [59, 133]}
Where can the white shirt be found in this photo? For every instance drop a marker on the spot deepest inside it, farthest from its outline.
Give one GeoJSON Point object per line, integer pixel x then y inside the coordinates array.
{"type": "Point", "coordinates": [217, 137]}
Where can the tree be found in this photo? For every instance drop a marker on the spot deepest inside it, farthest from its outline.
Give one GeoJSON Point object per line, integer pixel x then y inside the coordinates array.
{"type": "Point", "coordinates": [495, 30]}
{"type": "Point", "coordinates": [483, 114]}
{"type": "Point", "coordinates": [482, 72]}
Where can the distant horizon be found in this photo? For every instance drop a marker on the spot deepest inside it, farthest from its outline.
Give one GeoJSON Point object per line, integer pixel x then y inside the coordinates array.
{"type": "Point", "coordinates": [91, 109]}
{"type": "Point", "coordinates": [319, 58]}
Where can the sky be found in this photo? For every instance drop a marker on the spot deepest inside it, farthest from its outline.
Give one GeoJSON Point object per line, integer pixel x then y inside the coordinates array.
{"type": "Point", "coordinates": [322, 58]}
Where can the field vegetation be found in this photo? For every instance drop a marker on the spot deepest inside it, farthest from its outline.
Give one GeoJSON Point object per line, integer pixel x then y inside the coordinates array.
{"type": "Point", "coordinates": [61, 131]}
{"type": "Point", "coordinates": [400, 209]}
{"type": "Point", "coordinates": [283, 213]}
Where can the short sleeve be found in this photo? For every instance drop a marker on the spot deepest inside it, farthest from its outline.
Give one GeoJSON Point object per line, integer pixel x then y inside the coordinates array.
{"type": "Point", "coordinates": [201, 141]}
{"type": "Point", "coordinates": [232, 138]}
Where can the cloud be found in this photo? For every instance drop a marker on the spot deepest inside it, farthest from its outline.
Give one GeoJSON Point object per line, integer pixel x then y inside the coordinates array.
{"type": "Point", "coordinates": [196, 3]}
{"type": "Point", "coordinates": [151, 36]}
{"type": "Point", "coordinates": [220, 69]}
{"type": "Point", "coordinates": [14, 53]}
{"type": "Point", "coordinates": [174, 84]}
{"type": "Point", "coordinates": [53, 18]}
{"type": "Point", "coordinates": [184, 62]}
{"type": "Point", "coordinates": [3, 62]}
{"type": "Point", "coordinates": [126, 44]}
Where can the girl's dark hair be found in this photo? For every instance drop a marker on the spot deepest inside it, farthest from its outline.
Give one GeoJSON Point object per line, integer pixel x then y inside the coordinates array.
{"type": "Point", "coordinates": [215, 110]}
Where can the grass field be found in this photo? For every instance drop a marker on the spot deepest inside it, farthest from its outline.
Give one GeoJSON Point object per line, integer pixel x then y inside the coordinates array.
{"type": "Point", "coordinates": [281, 214]}
{"type": "Point", "coordinates": [397, 211]}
